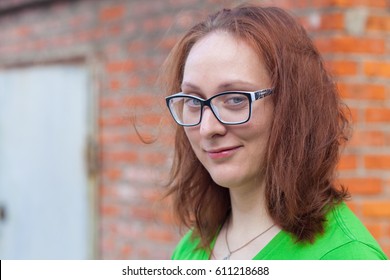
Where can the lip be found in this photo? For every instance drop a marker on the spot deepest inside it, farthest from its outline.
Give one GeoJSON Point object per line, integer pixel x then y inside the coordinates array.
{"type": "Point", "coordinates": [221, 153]}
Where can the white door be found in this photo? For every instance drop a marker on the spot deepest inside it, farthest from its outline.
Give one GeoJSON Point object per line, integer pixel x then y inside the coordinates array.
{"type": "Point", "coordinates": [45, 211]}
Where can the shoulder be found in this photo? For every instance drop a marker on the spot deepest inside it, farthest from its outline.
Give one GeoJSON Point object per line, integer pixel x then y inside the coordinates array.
{"type": "Point", "coordinates": [188, 248]}
{"type": "Point", "coordinates": [348, 237]}
{"type": "Point", "coordinates": [344, 238]}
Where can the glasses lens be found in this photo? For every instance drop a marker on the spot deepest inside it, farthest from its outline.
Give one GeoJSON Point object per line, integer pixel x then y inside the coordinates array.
{"type": "Point", "coordinates": [231, 108]}
{"type": "Point", "coordinates": [186, 110]}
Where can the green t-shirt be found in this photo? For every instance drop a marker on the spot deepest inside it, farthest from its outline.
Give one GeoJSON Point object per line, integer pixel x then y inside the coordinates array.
{"type": "Point", "coordinates": [344, 238]}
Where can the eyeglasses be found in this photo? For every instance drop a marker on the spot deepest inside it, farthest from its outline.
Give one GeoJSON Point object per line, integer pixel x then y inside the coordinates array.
{"type": "Point", "coordinates": [230, 107]}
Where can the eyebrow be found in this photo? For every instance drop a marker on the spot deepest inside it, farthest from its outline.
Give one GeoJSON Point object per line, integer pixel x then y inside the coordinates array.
{"type": "Point", "coordinates": [221, 87]}
{"type": "Point", "coordinates": [235, 84]}
{"type": "Point", "coordinates": [190, 85]}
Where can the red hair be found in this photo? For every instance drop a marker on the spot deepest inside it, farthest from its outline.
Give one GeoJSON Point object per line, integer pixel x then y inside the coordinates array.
{"type": "Point", "coordinates": [308, 129]}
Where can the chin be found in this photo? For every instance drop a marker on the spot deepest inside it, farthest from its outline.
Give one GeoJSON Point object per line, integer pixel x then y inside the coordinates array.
{"type": "Point", "coordinates": [234, 176]}
{"type": "Point", "coordinates": [227, 179]}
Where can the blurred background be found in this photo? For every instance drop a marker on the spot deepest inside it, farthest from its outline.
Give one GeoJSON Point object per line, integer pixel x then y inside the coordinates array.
{"type": "Point", "coordinates": [78, 87]}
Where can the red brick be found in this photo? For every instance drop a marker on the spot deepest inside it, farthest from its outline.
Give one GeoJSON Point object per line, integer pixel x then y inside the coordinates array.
{"type": "Point", "coordinates": [115, 85]}
{"type": "Point", "coordinates": [377, 69]}
{"type": "Point", "coordinates": [112, 174]}
{"type": "Point", "coordinates": [153, 24]}
{"type": "Point", "coordinates": [107, 244]}
{"type": "Point", "coordinates": [150, 119]}
{"type": "Point", "coordinates": [381, 162]}
{"type": "Point", "coordinates": [136, 46]}
{"type": "Point", "coordinates": [109, 102]}
{"type": "Point", "coordinates": [132, 138]}
{"type": "Point", "coordinates": [286, 4]}
{"type": "Point", "coordinates": [353, 206]}
{"type": "Point", "coordinates": [363, 138]}
{"type": "Point", "coordinates": [113, 31]}
{"type": "Point", "coordinates": [146, 64]}
{"type": "Point", "coordinates": [114, 101]}
{"type": "Point", "coordinates": [375, 229]}
{"type": "Point", "coordinates": [342, 67]}
{"type": "Point", "coordinates": [158, 235]}
{"type": "Point", "coordinates": [347, 162]}
{"type": "Point", "coordinates": [120, 66]}
{"type": "Point", "coordinates": [129, 157]}
{"type": "Point", "coordinates": [151, 196]}
{"type": "Point", "coordinates": [362, 91]}
{"type": "Point", "coordinates": [362, 186]}
{"type": "Point", "coordinates": [126, 250]}
{"type": "Point", "coordinates": [327, 22]}
{"type": "Point", "coordinates": [334, 21]}
{"type": "Point", "coordinates": [142, 100]}
{"type": "Point", "coordinates": [150, 79]}
{"type": "Point", "coordinates": [145, 136]}
{"type": "Point", "coordinates": [376, 209]}
{"type": "Point", "coordinates": [167, 218]}
{"type": "Point", "coordinates": [353, 45]}
{"type": "Point", "coordinates": [133, 82]}
{"type": "Point", "coordinates": [112, 121]}
{"type": "Point", "coordinates": [378, 23]}
{"type": "Point", "coordinates": [144, 213]}
{"type": "Point", "coordinates": [112, 13]}
{"type": "Point", "coordinates": [114, 138]}
{"type": "Point", "coordinates": [354, 3]}
{"type": "Point", "coordinates": [110, 210]}
{"type": "Point", "coordinates": [107, 191]}
{"type": "Point", "coordinates": [377, 115]}
{"type": "Point", "coordinates": [168, 42]}
{"type": "Point", "coordinates": [155, 158]}
{"type": "Point", "coordinates": [353, 113]}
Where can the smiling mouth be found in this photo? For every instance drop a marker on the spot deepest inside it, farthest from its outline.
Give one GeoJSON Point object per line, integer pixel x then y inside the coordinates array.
{"type": "Point", "coordinates": [223, 152]}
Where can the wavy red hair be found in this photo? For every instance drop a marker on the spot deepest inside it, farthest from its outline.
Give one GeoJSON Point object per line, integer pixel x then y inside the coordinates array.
{"type": "Point", "coordinates": [308, 129]}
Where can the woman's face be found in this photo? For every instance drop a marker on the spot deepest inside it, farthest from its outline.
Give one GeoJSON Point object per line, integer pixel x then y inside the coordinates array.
{"type": "Point", "coordinates": [232, 154]}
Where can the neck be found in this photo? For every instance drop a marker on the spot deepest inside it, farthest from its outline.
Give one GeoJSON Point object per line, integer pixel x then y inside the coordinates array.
{"type": "Point", "coordinates": [248, 229]}
{"type": "Point", "coordinates": [249, 211]}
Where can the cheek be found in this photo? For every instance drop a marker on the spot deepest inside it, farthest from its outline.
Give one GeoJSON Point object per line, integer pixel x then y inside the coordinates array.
{"type": "Point", "coordinates": [257, 133]}
{"type": "Point", "coordinates": [262, 118]}
{"type": "Point", "coordinates": [257, 130]}
{"type": "Point", "coordinates": [193, 137]}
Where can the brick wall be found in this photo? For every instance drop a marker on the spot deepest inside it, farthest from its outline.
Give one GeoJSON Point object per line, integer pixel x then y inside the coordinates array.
{"type": "Point", "coordinates": [353, 37]}
{"type": "Point", "coordinates": [125, 42]}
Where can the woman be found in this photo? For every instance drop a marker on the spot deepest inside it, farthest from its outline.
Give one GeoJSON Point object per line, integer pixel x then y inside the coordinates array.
{"type": "Point", "coordinates": [260, 126]}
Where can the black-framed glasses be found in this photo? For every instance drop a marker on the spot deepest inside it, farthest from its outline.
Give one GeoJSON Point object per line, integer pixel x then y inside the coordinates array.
{"type": "Point", "coordinates": [230, 107]}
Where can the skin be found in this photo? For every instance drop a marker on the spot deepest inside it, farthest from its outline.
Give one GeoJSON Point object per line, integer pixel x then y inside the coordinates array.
{"type": "Point", "coordinates": [232, 154]}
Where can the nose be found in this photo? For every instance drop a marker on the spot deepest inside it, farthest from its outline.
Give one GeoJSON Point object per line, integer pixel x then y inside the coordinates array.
{"type": "Point", "coordinates": [210, 125]}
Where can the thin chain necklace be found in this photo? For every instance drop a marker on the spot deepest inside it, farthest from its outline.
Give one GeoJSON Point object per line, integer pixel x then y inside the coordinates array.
{"type": "Point", "coordinates": [246, 244]}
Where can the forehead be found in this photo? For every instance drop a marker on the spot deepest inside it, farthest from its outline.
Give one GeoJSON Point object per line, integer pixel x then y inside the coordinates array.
{"type": "Point", "coordinates": [220, 47]}
{"type": "Point", "coordinates": [219, 58]}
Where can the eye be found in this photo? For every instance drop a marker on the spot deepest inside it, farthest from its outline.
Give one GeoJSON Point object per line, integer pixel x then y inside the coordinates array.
{"type": "Point", "coordinates": [192, 102]}
{"type": "Point", "coordinates": [235, 100]}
